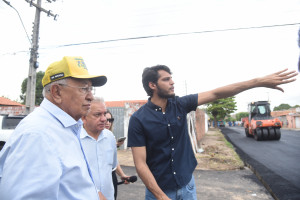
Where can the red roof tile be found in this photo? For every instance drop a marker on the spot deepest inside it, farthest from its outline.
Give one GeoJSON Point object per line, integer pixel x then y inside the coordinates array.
{"type": "Point", "coordinates": [7, 102]}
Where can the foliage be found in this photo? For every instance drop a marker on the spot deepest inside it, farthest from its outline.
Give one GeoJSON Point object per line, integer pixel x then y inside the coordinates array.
{"type": "Point", "coordinates": [282, 106]}
{"type": "Point", "coordinates": [230, 119]}
{"type": "Point", "coordinates": [38, 89]}
{"type": "Point", "coordinates": [241, 115]}
{"type": "Point", "coordinates": [220, 108]}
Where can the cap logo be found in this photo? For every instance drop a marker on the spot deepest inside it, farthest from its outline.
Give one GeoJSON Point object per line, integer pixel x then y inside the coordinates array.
{"type": "Point", "coordinates": [56, 76]}
{"type": "Point", "coordinates": [80, 63]}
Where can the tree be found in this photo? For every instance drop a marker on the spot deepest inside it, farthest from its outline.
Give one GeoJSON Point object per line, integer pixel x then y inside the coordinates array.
{"type": "Point", "coordinates": [38, 89]}
{"type": "Point", "coordinates": [282, 106]}
{"type": "Point", "coordinates": [241, 115]}
{"type": "Point", "coordinates": [220, 108]}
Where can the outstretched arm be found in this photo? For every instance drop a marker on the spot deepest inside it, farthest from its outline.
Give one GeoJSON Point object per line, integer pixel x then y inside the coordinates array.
{"type": "Point", "coordinates": [139, 157]}
{"type": "Point", "coordinates": [270, 81]}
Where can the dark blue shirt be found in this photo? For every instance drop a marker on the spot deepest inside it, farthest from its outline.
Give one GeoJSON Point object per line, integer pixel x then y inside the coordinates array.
{"type": "Point", "coordinates": [170, 156]}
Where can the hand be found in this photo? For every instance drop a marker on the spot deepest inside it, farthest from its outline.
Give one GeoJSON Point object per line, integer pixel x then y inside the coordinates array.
{"type": "Point", "coordinates": [101, 196]}
{"type": "Point", "coordinates": [164, 197]}
{"type": "Point", "coordinates": [125, 178]}
{"type": "Point", "coordinates": [278, 78]}
{"type": "Point", "coordinates": [120, 143]}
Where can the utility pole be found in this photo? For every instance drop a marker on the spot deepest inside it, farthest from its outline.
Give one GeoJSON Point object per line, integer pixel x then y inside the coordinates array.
{"type": "Point", "coordinates": [33, 63]}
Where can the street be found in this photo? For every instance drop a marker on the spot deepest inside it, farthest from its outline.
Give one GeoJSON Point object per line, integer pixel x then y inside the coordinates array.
{"type": "Point", "coordinates": [276, 162]}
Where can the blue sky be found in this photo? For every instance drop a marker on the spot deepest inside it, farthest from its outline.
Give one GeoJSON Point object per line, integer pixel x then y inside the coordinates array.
{"type": "Point", "coordinates": [201, 59]}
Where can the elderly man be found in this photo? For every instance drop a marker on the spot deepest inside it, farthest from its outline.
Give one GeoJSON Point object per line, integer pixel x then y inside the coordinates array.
{"type": "Point", "coordinates": [99, 144]}
{"type": "Point", "coordinates": [44, 159]}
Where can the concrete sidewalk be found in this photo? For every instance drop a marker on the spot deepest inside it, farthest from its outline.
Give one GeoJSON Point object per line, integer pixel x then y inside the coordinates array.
{"type": "Point", "coordinates": [211, 185]}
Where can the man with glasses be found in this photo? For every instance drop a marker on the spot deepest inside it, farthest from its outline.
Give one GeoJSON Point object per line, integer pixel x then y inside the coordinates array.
{"type": "Point", "coordinates": [43, 159]}
{"type": "Point", "coordinates": [99, 144]}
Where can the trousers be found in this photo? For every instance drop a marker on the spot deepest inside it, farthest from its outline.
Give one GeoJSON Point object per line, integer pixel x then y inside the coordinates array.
{"type": "Point", "coordinates": [187, 192]}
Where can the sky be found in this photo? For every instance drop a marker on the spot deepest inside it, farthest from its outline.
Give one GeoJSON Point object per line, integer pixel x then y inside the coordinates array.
{"type": "Point", "coordinates": [207, 44]}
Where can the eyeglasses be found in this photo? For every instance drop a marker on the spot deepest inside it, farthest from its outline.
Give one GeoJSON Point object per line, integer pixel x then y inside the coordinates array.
{"type": "Point", "coordinates": [83, 90]}
{"type": "Point", "coordinates": [110, 120]}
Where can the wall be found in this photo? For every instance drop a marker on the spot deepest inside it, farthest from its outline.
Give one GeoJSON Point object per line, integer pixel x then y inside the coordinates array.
{"type": "Point", "coordinates": [201, 125]}
{"type": "Point", "coordinates": [289, 117]}
{"type": "Point", "coordinates": [118, 125]}
{"type": "Point", "coordinates": [12, 110]}
{"type": "Point", "coordinates": [197, 127]}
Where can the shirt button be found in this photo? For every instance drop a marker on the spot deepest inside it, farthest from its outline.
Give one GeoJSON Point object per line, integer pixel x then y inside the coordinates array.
{"type": "Point", "coordinates": [168, 124]}
{"type": "Point", "coordinates": [172, 160]}
{"type": "Point", "coordinates": [174, 172]}
{"type": "Point", "coordinates": [172, 149]}
{"type": "Point", "coordinates": [159, 108]}
{"type": "Point", "coordinates": [155, 109]}
{"type": "Point", "coordinates": [172, 137]}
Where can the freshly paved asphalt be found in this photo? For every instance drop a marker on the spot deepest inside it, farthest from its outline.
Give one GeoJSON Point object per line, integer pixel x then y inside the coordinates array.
{"type": "Point", "coordinates": [276, 163]}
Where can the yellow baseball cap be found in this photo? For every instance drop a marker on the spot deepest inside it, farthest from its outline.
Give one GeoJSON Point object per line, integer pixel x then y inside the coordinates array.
{"type": "Point", "coordinates": [70, 67]}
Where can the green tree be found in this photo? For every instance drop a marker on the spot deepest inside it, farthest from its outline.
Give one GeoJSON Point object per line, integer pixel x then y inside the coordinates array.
{"type": "Point", "coordinates": [230, 119]}
{"type": "Point", "coordinates": [220, 108]}
{"type": "Point", "coordinates": [241, 115]}
{"type": "Point", "coordinates": [282, 106]}
{"type": "Point", "coordinates": [38, 89]}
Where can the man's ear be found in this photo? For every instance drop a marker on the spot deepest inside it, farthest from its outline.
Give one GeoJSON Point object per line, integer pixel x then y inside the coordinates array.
{"type": "Point", "coordinates": [152, 85]}
{"type": "Point", "coordinates": [56, 93]}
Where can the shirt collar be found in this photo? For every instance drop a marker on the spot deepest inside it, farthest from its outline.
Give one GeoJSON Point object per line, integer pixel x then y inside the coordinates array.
{"type": "Point", "coordinates": [65, 119]}
{"type": "Point", "coordinates": [84, 134]}
{"type": "Point", "coordinates": [155, 107]}
{"type": "Point", "coordinates": [152, 105]}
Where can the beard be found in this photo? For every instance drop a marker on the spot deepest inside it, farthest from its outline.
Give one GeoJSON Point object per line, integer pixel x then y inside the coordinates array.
{"type": "Point", "coordinates": [164, 94]}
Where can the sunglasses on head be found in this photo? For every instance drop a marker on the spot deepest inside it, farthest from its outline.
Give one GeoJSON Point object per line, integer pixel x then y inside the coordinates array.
{"type": "Point", "coordinates": [110, 120]}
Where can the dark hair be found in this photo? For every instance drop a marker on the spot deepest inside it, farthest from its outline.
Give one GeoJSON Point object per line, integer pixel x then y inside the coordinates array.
{"type": "Point", "coordinates": [150, 74]}
{"type": "Point", "coordinates": [112, 123]}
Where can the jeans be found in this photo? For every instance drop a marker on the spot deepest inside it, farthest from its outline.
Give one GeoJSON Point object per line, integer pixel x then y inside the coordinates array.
{"type": "Point", "coordinates": [187, 192]}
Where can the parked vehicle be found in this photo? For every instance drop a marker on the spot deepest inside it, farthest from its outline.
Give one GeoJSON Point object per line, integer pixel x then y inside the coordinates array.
{"type": "Point", "coordinates": [221, 123]}
{"type": "Point", "coordinates": [7, 126]}
{"type": "Point", "coordinates": [260, 124]}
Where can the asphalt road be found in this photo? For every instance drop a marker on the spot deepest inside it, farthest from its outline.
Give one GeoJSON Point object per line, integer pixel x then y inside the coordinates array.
{"type": "Point", "coordinates": [276, 162]}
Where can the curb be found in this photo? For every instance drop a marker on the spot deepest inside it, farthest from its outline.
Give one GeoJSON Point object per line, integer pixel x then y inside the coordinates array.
{"type": "Point", "coordinates": [246, 159]}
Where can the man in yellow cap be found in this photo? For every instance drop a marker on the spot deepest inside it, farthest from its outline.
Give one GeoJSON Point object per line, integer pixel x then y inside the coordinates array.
{"type": "Point", "coordinates": [44, 159]}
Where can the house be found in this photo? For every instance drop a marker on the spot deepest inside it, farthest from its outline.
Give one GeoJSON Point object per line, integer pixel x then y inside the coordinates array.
{"type": "Point", "coordinates": [122, 111]}
{"type": "Point", "coordinates": [9, 107]}
{"type": "Point", "coordinates": [290, 118]}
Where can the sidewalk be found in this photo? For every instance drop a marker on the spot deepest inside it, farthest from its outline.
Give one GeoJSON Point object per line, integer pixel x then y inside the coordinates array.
{"type": "Point", "coordinates": [220, 174]}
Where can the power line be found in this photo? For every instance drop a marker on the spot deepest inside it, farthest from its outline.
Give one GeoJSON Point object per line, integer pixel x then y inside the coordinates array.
{"type": "Point", "coordinates": [8, 3]}
{"type": "Point", "coordinates": [176, 34]}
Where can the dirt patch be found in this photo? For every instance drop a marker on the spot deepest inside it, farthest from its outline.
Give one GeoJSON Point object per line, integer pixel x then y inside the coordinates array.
{"type": "Point", "coordinates": [125, 157]}
{"type": "Point", "coordinates": [218, 154]}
